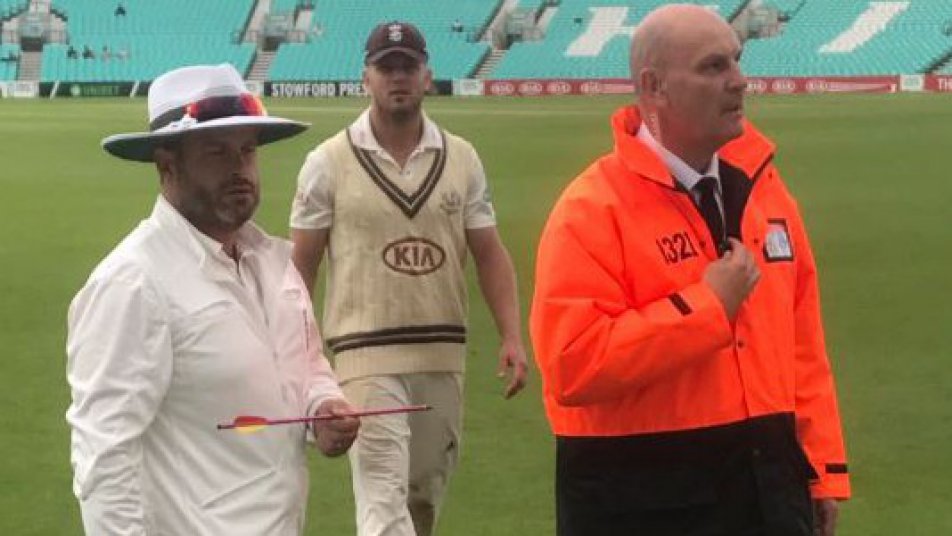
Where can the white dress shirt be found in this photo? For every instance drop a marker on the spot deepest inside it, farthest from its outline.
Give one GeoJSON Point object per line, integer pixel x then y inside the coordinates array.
{"type": "Point", "coordinates": [683, 173]}
{"type": "Point", "coordinates": [168, 338]}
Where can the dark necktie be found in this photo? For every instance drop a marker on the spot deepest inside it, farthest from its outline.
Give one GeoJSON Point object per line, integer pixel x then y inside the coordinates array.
{"type": "Point", "coordinates": [712, 215]}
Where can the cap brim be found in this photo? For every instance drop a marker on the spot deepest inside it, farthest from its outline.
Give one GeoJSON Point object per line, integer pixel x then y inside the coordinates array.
{"type": "Point", "coordinates": [415, 54]}
{"type": "Point", "coordinates": [141, 146]}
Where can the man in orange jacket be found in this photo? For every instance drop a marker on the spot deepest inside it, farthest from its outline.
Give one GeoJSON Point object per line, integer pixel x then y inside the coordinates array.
{"type": "Point", "coordinates": [676, 316]}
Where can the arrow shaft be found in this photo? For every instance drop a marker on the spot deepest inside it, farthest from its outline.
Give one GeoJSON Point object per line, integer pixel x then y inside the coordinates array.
{"type": "Point", "coordinates": [329, 417]}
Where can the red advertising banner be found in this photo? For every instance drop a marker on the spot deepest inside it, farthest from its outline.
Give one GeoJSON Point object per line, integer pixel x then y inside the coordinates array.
{"type": "Point", "coordinates": [555, 86]}
{"type": "Point", "coordinates": [755, 85]}
{"type": "Point", "coordinates": [938, 82]}
{"type": "Point", "coordinates": [822, 84]}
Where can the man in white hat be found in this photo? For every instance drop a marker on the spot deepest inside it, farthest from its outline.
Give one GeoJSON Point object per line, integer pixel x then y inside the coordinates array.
{"type": "Point", "coordinates": [197, 317]}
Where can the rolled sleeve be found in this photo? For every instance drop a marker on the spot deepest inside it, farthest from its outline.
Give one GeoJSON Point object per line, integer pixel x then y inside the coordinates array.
{"type": "Point", "coordinates": [312, 207]}
{"type": "Point", "coordinates": [119, 367]}
{"type": "Point", "coordinates": [479, 211]}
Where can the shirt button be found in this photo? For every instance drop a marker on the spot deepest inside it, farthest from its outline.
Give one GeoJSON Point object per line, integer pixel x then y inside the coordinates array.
{"type": "Point", "coordinates": [740, 343]}
{"type": "Point", "coordinates": [756, 453]}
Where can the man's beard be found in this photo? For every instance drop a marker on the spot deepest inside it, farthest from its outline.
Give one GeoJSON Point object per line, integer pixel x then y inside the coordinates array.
{"type": "Point", "coordinates": [217, 213]}
{"type": "Point", "coordinates": [406, 113]}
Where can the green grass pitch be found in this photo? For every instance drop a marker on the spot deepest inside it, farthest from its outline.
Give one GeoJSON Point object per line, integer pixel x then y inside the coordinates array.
{"type": "Point", "coordinates": [873, 175]}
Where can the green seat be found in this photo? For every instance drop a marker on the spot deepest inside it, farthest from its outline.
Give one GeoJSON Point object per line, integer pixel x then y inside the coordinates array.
{"type": "Point", "coordinates": [335, 50]}
{"type": "Point", "coordinates": [912, 41]}
{"type": "Point", "coordinates": [8, 69]}
{"type": "Point", "coordinates": [550, 58]}
{"type": "Point", "coordinates": [155, 36]}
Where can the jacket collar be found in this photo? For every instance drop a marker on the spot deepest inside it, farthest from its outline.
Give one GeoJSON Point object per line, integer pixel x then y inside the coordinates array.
{"type": "Point", "coordinates": [748, 153]}
{"type": "Point", "coordinates": [687, 176]}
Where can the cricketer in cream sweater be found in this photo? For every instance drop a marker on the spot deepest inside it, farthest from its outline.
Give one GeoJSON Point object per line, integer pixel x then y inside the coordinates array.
{"type": "Point", "coordinates": [397, 203]}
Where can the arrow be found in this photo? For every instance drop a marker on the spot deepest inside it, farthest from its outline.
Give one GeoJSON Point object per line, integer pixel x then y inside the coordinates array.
{"type": "Point", "coordinates": [250, 423]}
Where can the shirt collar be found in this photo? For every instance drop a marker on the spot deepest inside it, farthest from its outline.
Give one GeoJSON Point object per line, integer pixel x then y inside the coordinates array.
{"type": "Point", "coordinates": [363, 136]}
{"type": "Point", "coordinates": [685, 174]}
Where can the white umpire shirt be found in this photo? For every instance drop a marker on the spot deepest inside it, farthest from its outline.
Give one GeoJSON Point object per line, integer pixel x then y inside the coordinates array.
{"type": "Point", "coordinates": [169, 337]}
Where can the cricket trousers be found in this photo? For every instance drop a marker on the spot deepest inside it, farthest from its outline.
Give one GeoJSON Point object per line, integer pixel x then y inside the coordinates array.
{"type": "Point", "coordinates": [401, 463]}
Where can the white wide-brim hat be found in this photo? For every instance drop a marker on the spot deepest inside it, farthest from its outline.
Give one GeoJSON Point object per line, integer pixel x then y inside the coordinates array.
{"type": "Point", "coordinates": [196, 98]}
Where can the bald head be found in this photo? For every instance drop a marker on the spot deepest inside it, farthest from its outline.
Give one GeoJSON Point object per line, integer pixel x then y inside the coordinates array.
{"type": "Point", "coordinates": [668, 31]}
{"type": "Point", "coordinates": [685, 63]}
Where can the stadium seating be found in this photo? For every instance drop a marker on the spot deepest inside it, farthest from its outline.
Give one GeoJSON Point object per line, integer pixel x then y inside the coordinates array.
{"type": "Point", "coordinates": [532, 5]}
{"type": "Point", "coordinates": [336, 52]}
{"type": "Point", "coordinates": [8, 69]}
{"type": "Point", "coordinates": [8, 8]}
{"type": "Point", "coordinates": [151, 38]}
{"type": "Point", "coordinates": [945, 68]}
{"type": "Point", "coordinates": [787, 8]}
{"type": "Point", "coordinates": [146, 59]}
{"type": "Point", "coordinates": [284, 6]}
{"type": "Point", "coordinates": [855, 37]}
{"type": "Point", "coordinates": [11, 7]}
{"type": "Point", "coordinates": [583, 38]}
{"type": "Point", "coordinates": [587, 38]}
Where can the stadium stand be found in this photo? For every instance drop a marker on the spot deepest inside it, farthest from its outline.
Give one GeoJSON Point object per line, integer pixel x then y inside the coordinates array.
{"type": "Point", "coordinates": [152, 37]}
{"type": "Point", "coordinates": [280, 6]}
{"type": "Point", "coordinates": [8, 67]}
{"type": "Point", "coordinates": [533, 5]}
{"type": "Point", "coordinates": [787, 8]}
{"type": "Point", "coordinates": [853, 37]}
{"type": "Point", "coordinates": [11, 7]}
{"type": "Point", "coordinates": [337, 52]}
{"type": "Point", "coordinates": [575, 38]}
{"type": "Point", "coordinates": [9, 10]}
{"type": "Point", "coordinates": [587, 39]}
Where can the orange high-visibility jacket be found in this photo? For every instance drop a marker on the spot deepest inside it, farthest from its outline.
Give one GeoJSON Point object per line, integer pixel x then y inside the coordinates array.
{"type": "Point", "coordinates": [629, 338]}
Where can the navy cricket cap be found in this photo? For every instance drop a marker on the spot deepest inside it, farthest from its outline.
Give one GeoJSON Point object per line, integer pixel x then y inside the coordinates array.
{"type": "Point", "coordinates": [395, 36]}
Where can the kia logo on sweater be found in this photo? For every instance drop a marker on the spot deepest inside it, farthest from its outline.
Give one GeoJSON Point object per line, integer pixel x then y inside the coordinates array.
{"type": "Point", "coordinates": [413, 256]}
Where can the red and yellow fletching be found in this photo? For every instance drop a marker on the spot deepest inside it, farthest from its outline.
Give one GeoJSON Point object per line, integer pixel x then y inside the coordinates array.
{"type": "Point", "coordinates": [249, 424]}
